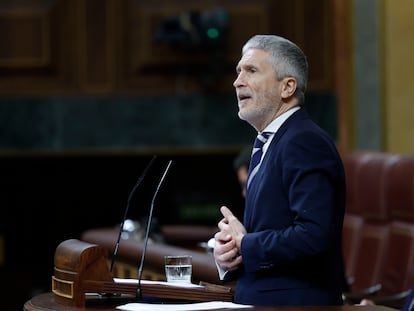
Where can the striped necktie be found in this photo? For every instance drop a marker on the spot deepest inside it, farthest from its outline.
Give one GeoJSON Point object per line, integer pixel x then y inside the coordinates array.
{"type": "Point", "coordinates": [257, 153]}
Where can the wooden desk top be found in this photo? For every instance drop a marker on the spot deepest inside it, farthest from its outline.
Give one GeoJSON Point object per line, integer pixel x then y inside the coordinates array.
{"type": "Point", "coordinates": [46, 302]}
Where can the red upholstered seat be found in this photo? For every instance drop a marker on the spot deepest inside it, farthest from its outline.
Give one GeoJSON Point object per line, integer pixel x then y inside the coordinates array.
{"type": "Point", "coordinates": [351, 237]}
{"type": "Point", "coordinates": [398, 271]}
{"type": "Point", "coordinates": [353, 219]}
{"type": "Point", "coordinates": [371, 185]}
{"type": "Point", "coordinates": [400, 189]}
{"type": "Point", "coordinates": [352, 164]}
{"type": "Point", "coordinates": [370, 256]}
{"type": "Point", "coordinates": [365, 231]}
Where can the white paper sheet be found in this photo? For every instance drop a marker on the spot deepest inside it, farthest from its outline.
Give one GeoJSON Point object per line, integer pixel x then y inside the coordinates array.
{"type": "Point", "coordinates": [211, 305]}
{"type": "Point", "coordinates": [173, 284]}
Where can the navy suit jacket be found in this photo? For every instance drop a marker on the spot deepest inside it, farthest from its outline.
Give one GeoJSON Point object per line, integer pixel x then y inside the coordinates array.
{"type": "Point", "coordinates": [409, 302]}
{"type": "Point", "coordinates": [292, 252]}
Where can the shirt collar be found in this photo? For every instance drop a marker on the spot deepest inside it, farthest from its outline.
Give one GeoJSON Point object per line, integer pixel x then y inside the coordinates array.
{"type": "Point", "coordinates": [277, 123]}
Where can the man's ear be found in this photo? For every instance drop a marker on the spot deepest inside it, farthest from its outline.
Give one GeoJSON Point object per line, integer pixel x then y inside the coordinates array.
{"type": "Point", "coordinates": [289, 85]}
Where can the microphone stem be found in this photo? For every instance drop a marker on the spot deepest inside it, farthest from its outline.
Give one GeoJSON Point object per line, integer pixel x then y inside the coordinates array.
{"type": "Point", "coordinates": [126, 210]}
{"type": "Point", "coordinates": [141, 266]}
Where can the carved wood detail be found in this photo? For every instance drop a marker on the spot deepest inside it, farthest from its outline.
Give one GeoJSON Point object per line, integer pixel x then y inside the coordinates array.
{"type": "Point", "coordinates": [108, 46]}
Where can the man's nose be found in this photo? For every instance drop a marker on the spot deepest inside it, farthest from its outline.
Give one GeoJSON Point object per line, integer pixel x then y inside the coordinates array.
{"type": "Point", "coordinates": [239, 81]}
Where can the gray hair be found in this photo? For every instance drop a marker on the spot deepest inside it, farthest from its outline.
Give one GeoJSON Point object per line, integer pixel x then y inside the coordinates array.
{"type": "Point", "coordinates": [286, 57]}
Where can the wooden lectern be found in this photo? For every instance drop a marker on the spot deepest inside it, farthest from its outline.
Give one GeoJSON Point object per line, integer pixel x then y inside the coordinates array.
{"type": "Point", "coordinates": [81, 268]}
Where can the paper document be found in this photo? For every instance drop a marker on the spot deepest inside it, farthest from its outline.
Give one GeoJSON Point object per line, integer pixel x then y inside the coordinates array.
{"type": "Point", "coordinates": [211, 305]}
{"type": "Point", "coordinates": [172, 284]}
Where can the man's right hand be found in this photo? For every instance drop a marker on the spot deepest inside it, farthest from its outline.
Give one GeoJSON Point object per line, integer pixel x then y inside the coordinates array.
{"type": "Point", "coordinates": [226, 252]}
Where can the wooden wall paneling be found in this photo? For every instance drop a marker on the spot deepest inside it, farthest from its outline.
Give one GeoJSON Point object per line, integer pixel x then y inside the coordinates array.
{"type": "Point", "coordinates": [317, 43]}
{"type": "Point", "coordinates": [245, 21]}
{"type": "Point", "coordinates": [342, 63]}
{"type": "Point", "coordinates": [280, 18]}
{"type": "Point", "coordinates": [94, 47]}
{"type": "Point", "coordinates": [96, 30]}
{"type": "Point", "coordinates": [308, 23]}
{"type": "Point", "coordinates": [161, 67]}
{"type": "Point", "coordinates": [36, 50]}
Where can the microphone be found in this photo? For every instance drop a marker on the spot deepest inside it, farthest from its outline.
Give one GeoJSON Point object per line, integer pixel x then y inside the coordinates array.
{"type": "Point", "coordinates": [126, 209]}
{"type": "Point", "coordinates": [141, 265]}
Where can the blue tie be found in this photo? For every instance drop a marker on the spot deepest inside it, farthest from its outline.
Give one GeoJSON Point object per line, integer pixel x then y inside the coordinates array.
{"type": "Point", "coordinates": [257, 153]}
